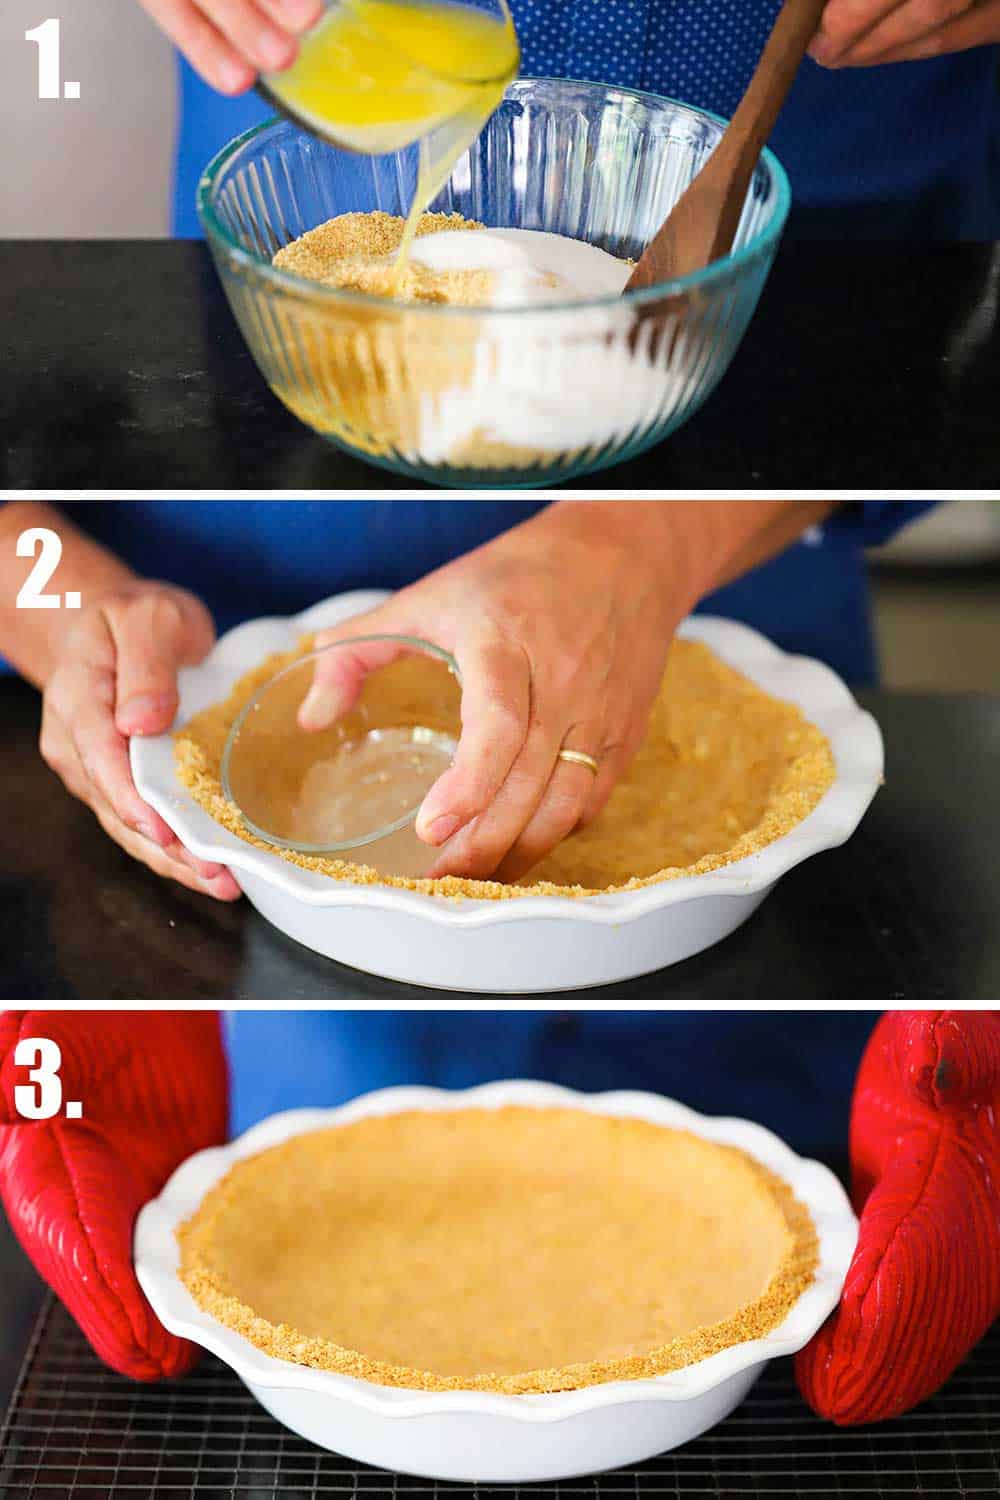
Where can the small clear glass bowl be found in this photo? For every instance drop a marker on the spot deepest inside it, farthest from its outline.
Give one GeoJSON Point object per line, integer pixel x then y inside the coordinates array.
{"type": "Point", "coordinates": [474, 397]}
{"type": "Point", "coordinates": [351, 783]}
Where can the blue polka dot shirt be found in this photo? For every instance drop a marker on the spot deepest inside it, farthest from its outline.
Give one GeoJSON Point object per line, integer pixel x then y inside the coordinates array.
{"type": "Point", "coordinates": [910, 150]}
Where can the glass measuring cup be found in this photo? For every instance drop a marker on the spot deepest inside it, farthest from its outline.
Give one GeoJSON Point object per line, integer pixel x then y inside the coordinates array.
{"type": "Point", "coordinates": [375, 76]}
{"type": "Point", "coordinates": [351, 786]}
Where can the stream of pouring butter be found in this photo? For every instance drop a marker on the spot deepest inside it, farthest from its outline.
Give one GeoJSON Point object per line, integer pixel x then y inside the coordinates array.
{"type": "Point", "coordinates": [377, 75]}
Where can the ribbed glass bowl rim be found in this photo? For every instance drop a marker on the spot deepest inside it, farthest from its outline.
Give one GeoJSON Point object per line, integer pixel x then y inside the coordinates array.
{"type": "Point", "coordinates": [759, 245]}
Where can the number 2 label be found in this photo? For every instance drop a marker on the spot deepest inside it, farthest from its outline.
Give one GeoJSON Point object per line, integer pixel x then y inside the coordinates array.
{"type": "Point", "coordinates": [48, 544]}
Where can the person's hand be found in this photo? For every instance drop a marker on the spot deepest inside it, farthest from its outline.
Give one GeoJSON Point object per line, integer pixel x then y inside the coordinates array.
{"type": "Point", "coordinates": [924, 1284]}
{"type": "Point", "coordinates": [230, 41]}
{"type": "Point", "coordinates": [115, 676]}
{"type": "Point", "coordinates": [560, 629]}
{"type": "Point", "coordinates": [867, 33]}
{"type": "Point", "coordinates": [154, 1089]}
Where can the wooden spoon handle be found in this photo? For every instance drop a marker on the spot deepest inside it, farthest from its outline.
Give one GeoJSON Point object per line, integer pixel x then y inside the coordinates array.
{"type": "Point", "coordinates": [702, 225]}
{"type": "Point", "coordinates": [797, 24]}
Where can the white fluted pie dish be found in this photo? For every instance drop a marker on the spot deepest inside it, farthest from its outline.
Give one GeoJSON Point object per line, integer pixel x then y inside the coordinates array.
{"type": "Point", "coordinates": [534, 943]}
{"type": "Point", "coordinates": [478, 1435]}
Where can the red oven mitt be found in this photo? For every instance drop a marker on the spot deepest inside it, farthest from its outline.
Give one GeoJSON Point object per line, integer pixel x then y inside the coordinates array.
{"type": "Point", "coordinates": [924, 1284]}
{"type": "Point", "coordinates": [154, 1089]}
{"type": "Point", "coordinates": [925, 1142]}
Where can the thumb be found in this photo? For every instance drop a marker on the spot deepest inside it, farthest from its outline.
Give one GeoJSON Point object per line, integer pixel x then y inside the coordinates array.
{"type": "Point", "coordinates": [348, 654]}
{"type": "Point", "coordinates": [155, 634]}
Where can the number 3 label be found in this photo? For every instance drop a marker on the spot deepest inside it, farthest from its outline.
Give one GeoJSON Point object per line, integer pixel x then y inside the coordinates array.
{"type": "Point", "coordinates": [41, 1099]}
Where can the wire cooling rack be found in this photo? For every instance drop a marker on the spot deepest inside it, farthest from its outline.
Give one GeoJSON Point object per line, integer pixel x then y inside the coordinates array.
{"type": "Point", "coordinates": [75, 1431]}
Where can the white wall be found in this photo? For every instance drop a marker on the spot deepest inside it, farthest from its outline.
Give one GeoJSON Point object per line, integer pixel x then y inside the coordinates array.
{"type": "Point", "coordinates": [966, 531]}
{"type": "Point", "coordinates": [98, 166]}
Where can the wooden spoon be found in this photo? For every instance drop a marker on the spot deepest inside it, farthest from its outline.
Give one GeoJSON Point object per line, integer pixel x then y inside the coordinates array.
{"type": "Point", "coordinates": [702, 224]}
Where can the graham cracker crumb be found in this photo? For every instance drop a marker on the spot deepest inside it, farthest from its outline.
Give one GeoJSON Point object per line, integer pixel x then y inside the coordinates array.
{"type": "Point", "coordinates": [725, 770]}
{"type": "Point", "coordinates": [357, 251]}
{"type": "Point", "coordinates": [368, 376]}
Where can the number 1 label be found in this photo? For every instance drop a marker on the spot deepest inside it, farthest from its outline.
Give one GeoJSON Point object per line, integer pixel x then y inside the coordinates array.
{"type": "Point", "coordinates": [47, 39]}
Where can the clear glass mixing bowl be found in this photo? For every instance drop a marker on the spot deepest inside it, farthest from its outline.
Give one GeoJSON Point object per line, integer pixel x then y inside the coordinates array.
{"type": "Point", "coordinates": [495, 397]}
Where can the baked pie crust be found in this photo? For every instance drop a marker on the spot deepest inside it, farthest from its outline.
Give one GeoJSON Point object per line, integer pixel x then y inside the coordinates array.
{"type": "Point", "coordinates": [512, 1250]}
{"type": "Point", "coordinates": [725, 770]}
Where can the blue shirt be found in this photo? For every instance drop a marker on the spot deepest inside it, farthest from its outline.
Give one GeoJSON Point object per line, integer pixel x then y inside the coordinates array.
{"type": "Point", "coordinates": [260, 557]}
{"type": "Point", "coordinates": [791, 1071]}
{"type": "Point", "coordinates": [911, 150]}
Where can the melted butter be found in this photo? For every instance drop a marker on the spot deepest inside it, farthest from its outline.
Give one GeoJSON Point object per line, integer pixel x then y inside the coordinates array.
{"type": "Point", "coordinates": [377, 75]}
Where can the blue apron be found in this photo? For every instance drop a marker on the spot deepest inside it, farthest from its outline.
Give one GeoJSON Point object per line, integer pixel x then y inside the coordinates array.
{"type": "Point", "coordinates": [906, 151]}
{"type": "Point", "coordinates": [792, 1072]}
{"type": "Point", "coordinates": [261, 557]}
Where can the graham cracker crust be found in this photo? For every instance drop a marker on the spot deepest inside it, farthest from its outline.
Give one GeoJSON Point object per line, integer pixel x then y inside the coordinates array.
{"type": "Point", "coordinates": [725, 770]}
{"type": "Point", "coordinates": [454, 1250]}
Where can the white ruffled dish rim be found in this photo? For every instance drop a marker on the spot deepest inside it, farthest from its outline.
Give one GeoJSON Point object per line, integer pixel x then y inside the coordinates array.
{"type": "Point", "coordinates": [854, 736]}
{"type": "Point", "coordinates": [814, 1185]}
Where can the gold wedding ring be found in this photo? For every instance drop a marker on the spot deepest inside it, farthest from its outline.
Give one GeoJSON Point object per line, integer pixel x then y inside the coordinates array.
{"type": "Point", "coordinates": [580, 758]}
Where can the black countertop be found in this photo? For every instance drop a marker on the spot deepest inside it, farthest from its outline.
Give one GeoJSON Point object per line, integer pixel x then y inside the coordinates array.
{"type": "Point", "coordinates": [909, 909]}
{"type": "Point", "coordinates": [867, 367]}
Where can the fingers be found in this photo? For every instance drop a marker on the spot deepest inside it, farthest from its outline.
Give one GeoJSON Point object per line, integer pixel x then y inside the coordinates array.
{"type": "Point", "coordinates": [573, 801]}
{"type": "Point", "coordinates": [907, 24]}
{"type": "Point", "coordinates": [251, 33]}
{"type": "Point", "coordinates": [496, 710]}
{"type": "Point", "coordinates": [851, 36]}
{"type": "Point", "coordinates": [293, 16]}
{"type": "Point", "coordinates": [175, 862]}
{"type": "Point", "coordinates": [844, 24]}
{"type": "Point", "coordinates": [479, 847]}
{"type": "Point", "coordinates": [104, 758]}
{"type": "Point", "coordinates": [562, 806]}
{"type": "Point", "coordinates": [977, 26]}
{"type": "Point", "coordinates": [230, 41]}
{"type": "Point", "coordinates": [339, 674]}
{"type": "Point", "coordinates": [507, 799]}
{"type": "Point", "coordinates": [204, 46]}
{"type": "Point", "coordinates": [614, 763]}
{"type": "Point", "coordinates": [152, 637]}
{"type": "Point", "coordinates": [82, 696]}
{"type": "Point", "coordinates": [629, 721]}
{"type": "Point", "coordinates": [81, 742]}
{"type": "Point", "coordinates": [155, 845]}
